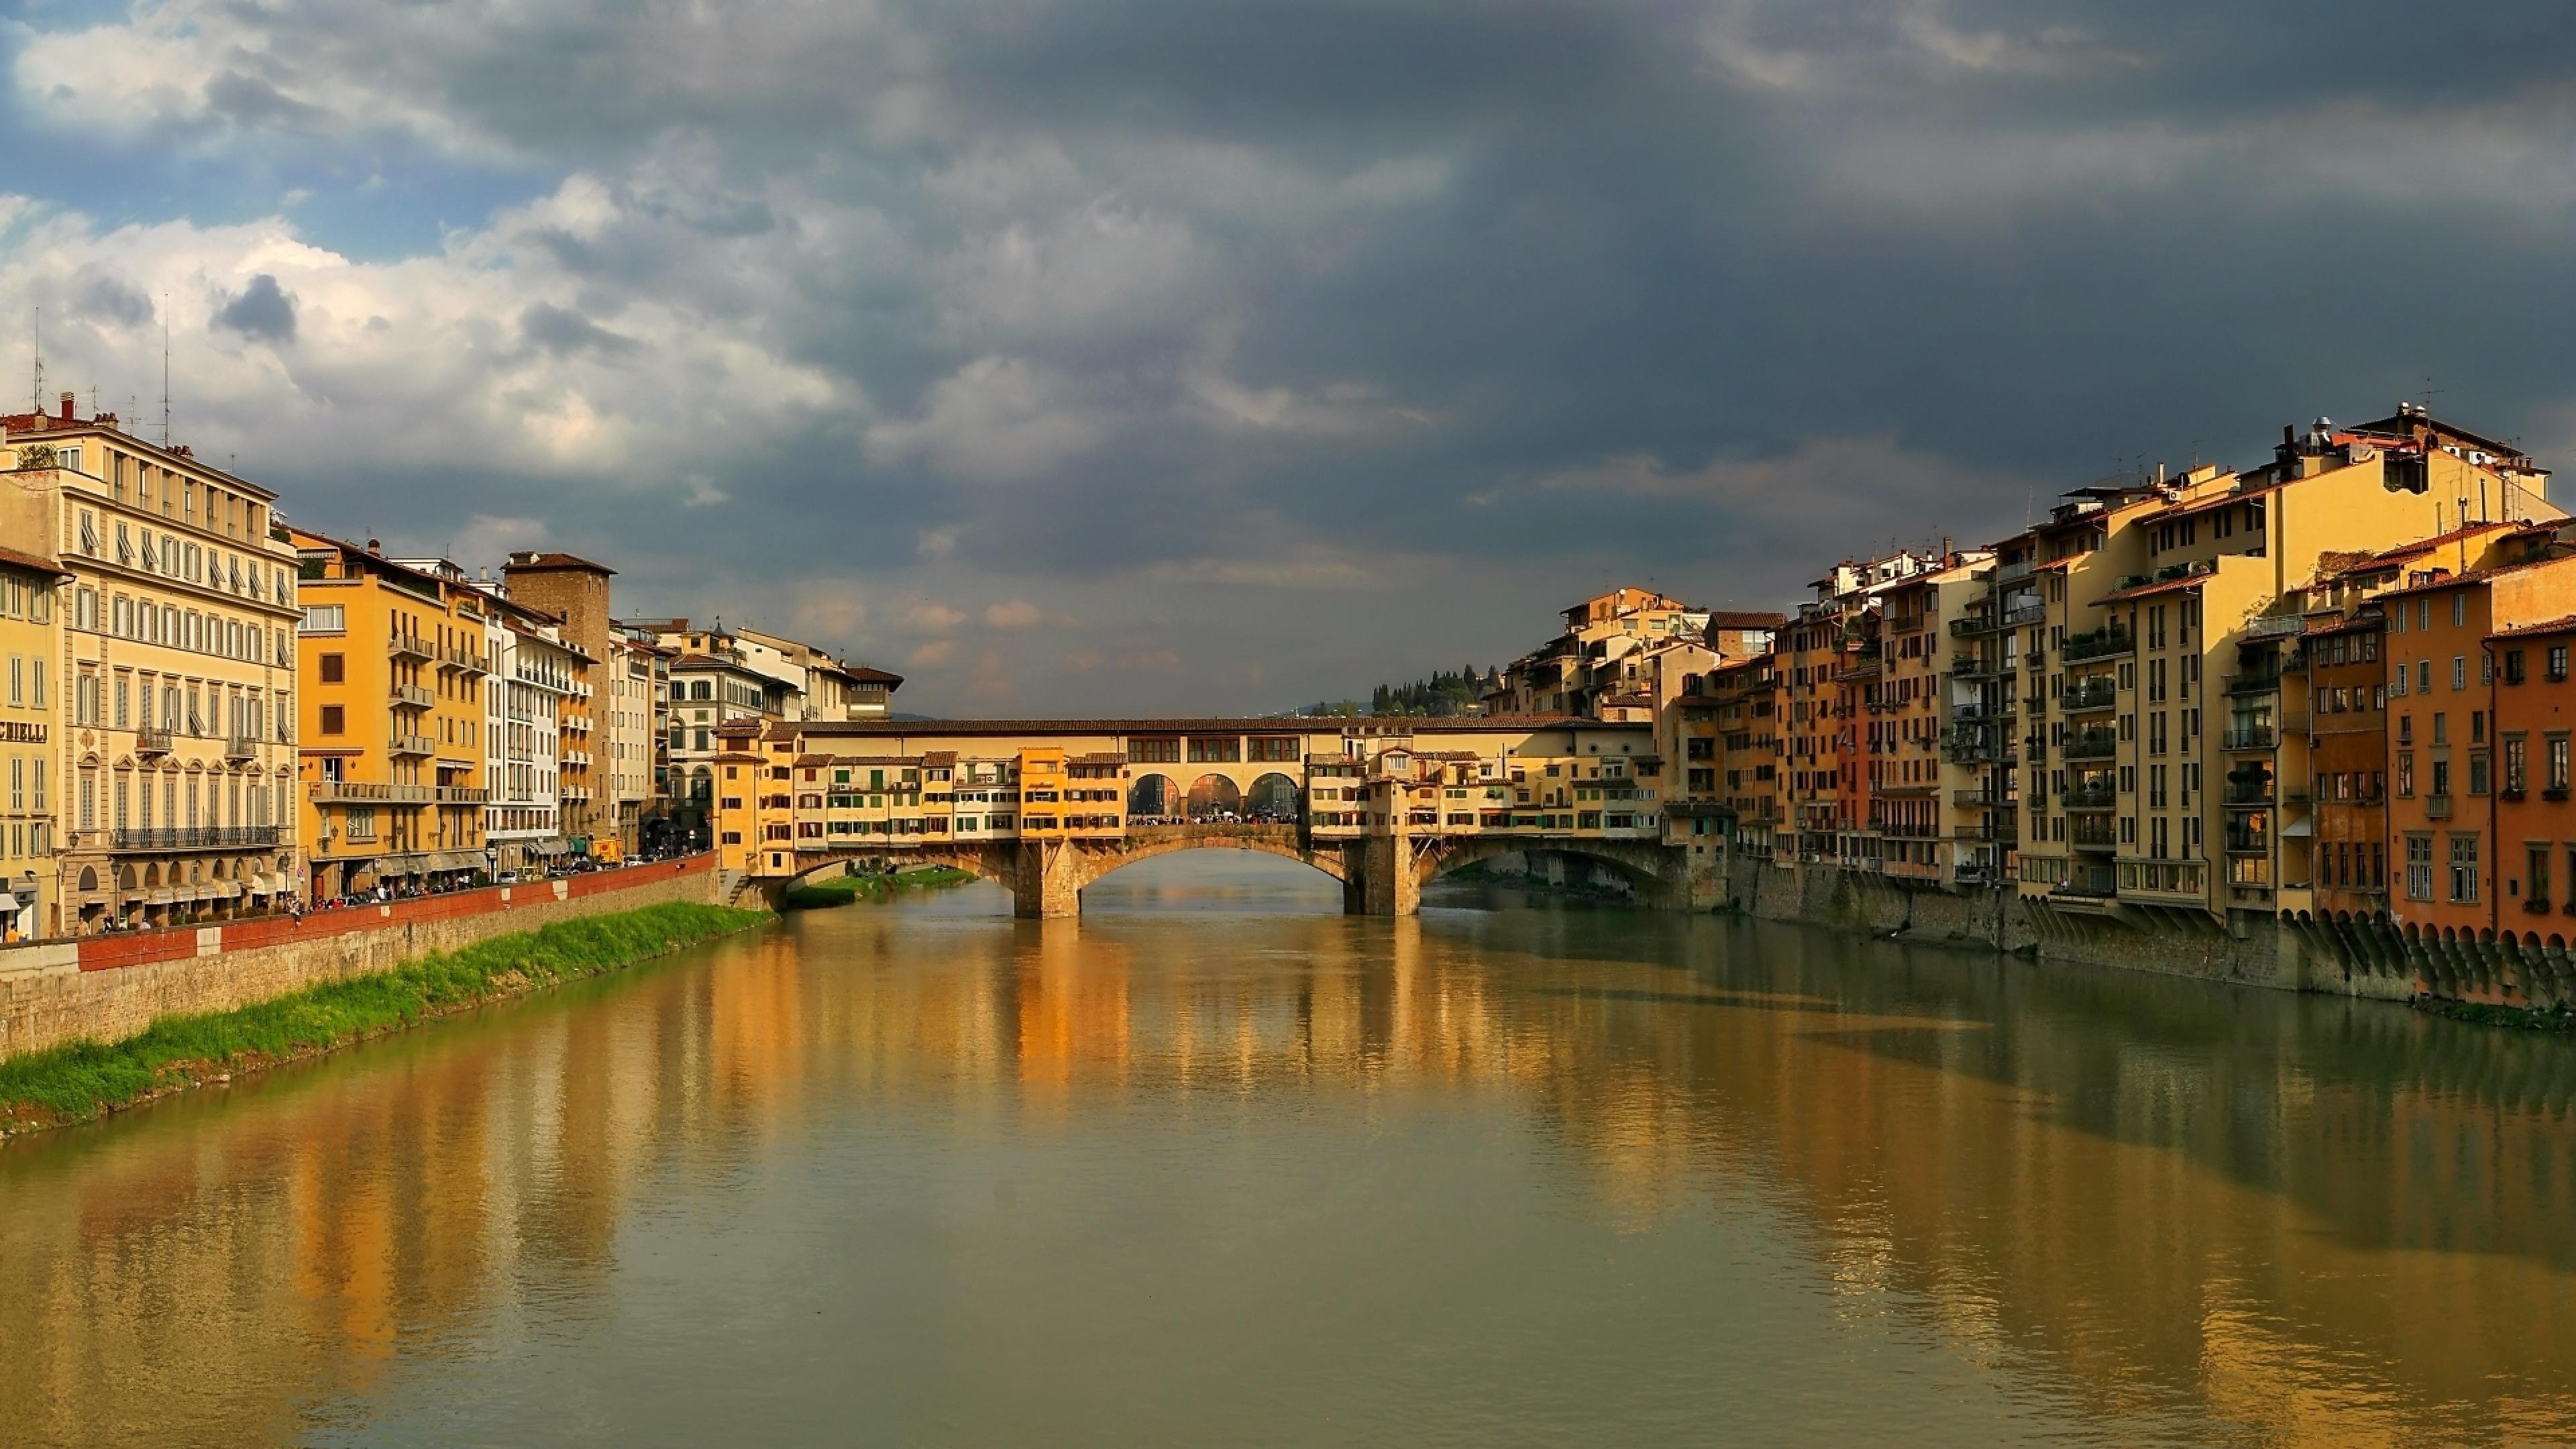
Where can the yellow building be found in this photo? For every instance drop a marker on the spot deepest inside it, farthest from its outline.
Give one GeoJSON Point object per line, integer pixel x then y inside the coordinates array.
{"type": "Point", "coordinates": [393, 721]}
{"type": "Point", "coordinates": [177, 673]}
{"type": "Point", "coordinates": [31, 649]}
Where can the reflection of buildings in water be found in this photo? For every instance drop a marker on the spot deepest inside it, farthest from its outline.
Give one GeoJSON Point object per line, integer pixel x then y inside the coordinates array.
{"type": "Point", "coordinates": [2137, 1195]}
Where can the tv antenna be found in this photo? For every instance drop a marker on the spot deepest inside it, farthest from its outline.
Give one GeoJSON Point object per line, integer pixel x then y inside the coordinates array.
{"type": "Point", "coordinates": [38, 394]}
{"type": "Point", "coordinates": [165, 372]}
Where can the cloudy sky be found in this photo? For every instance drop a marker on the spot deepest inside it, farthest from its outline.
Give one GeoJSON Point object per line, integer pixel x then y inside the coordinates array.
{"type": "Point", "coordinates": [1101, 355]}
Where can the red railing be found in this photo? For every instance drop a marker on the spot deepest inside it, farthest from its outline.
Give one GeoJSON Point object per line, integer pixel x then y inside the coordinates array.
{"type": "Point", "coordinates": [140, 948]}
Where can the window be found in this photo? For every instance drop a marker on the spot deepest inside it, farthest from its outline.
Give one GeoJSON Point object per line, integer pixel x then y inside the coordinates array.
{"type": "Point", "coordinates": [334, 668]}
{"type": "Point", "coordinates": [2513, 666]}
{"type": "Point", "coordinates": [2557, 672]}
{"type": "Point", "coordinates": [2423, 676]}
{"type": "Point", "coordinates": [325, 619]}
{"type": "Point", "coordinates": [2459, 611]}
{"type": "Point", "coordinates": [2514, 764]}
{"type": "Point", "coordinates": [333, 719]}
{"type": "Point", "coordinates": [2557, 779]}
{"type": "Point", "coordinates": [2419, 867]}
{"type": "Point", "coordinates": [2538, 893]}
{"type": "Point", "coordinates": [2464, 869]}
{"type": "Point", "coordinates": [2459, 671]}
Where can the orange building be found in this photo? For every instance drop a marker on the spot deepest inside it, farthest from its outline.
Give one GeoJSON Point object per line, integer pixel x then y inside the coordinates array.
{"type": "Point", "coordinates": [391, 763]}
{"type": "Point", "coordinates": [2535, 824]}
{"type": "Point", "coordinates": [2442, 732]}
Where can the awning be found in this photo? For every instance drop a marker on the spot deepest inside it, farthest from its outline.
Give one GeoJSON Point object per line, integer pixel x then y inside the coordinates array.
{"type": "Point", "coordinates": [456, 860]}
{"type": "Point", "coordinates": [8, 904]}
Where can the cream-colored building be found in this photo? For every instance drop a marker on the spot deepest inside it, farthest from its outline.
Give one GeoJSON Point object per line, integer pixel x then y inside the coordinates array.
{"type": "Point", "coordinates": [176, 756]}
{"type": "Point", "coordinates": [31, 650]}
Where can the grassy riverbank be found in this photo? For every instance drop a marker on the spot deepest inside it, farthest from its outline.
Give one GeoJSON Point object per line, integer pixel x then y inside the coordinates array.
{"type": "Point", "coordinates": [81, 1080]}
{"type": "Point", "coordinates": [2522, 1018]}
{"type": "Point", "coordinates": [841, 890]}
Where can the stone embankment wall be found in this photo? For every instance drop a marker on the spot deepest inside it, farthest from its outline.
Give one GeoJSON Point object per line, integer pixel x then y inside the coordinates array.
{"type": "Point", "coordinates": [109, 987]}
{"type": "Point", "coordinates": [2254, 951]}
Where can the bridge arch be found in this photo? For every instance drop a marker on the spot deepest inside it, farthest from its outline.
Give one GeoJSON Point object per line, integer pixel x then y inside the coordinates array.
{"type": "Point", "coordinates": [1653, 872]}
{"type": "Point", "coordinates": [1154, 796]}
{"type": "Point", "coordinates": [1281, 841]}
{"type": "Point", "coordinates": [1214, 794]}
{"type": "Point", "coordinates": [1275, 796]}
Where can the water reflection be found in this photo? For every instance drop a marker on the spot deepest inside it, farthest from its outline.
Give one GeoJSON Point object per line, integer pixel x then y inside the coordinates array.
{"type": "Point", "coordinates": [1219, 1161]}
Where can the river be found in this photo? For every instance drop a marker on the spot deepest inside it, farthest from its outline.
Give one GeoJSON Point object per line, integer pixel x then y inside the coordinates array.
{"type": "Point", "coordinates": [1217, 1165]}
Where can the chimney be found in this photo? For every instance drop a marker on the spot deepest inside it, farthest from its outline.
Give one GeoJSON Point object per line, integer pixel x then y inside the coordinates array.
{"type": "Point", "coordinates": [67, 407]}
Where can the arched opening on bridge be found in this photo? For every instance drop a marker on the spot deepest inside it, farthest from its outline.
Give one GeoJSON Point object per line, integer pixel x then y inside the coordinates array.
{"type": "Point", "coordinates": [1218, 880]}
{"type": "Point", "coordinates": [1273, 800]}
{"type": "Point", "coordinates": [1153, 797]}
{"type": "Point", "coordinates": [1214, 797]}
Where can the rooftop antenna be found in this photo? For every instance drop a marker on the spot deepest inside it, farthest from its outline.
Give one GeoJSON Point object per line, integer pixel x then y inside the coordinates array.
{"type": "Point", "coordinates": [2429, 393]}
{"type": "Point", "coordinates": [39, 394]}
{"type": "Point", "coordinates": [165, 372]}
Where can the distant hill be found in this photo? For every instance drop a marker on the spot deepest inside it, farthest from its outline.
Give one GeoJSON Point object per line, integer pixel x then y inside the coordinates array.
{"type": "Point", "coordinates": [1443, 695]}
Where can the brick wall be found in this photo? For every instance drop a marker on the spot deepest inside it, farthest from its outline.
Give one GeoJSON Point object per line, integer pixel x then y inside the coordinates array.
{"type": "Point", "coordinates": [110, 987]}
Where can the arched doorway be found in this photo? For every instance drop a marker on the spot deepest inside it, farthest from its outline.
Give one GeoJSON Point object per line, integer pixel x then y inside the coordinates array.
{"type": "Point", "coordinates": [1214, 797]}
{"type": "Point", "coordinates": [1274, 800]}
{"type": "Point", "coordinates": [1153, 798]}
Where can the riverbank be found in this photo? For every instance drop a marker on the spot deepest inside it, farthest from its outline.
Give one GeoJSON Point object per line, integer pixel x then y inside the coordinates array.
{"type": "Point", "coordinates": [82, 1080]}
{"type": "Point", "coordinates": [842, 890]}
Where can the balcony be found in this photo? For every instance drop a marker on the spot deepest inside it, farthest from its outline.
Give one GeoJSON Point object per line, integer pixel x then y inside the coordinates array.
{"type": "Point", "coordinates": [241, 747]}
{"type": "Point", "coordinates": [2251, 737]}
{"type": "Point", "coordinates": [412, 646]}
{"type": "Point", "coordinates": [2021, 615]}
{"type": "Point", "coordinates": [2092, 835]}
{"type": "Point", "coordinates": [2248, 842]}
{"type": "Point", "coordinates": [2015, 571]}
{"type": "Point", "coordinates": [2004, 831]}
{"type": "Point", "coordinates": [2262, 682]}
{"type": "Point", "coordinates": [2275, 626]}
{"type": "Point", "coordinates": [1970, 666]}
{"type": "Point", "coordinates": [1978, 620]}
{"type": "Point", "coordinates": [198, 837]}
{"type": "Point", "coordinates": [2437, 807]}
{"type": "Point", "coordinates": [1982, 800]}
{"type": "Point", "coordinates": [412, 696]}
{"type": "Point", "coordinates": [466, 659]}
{"type": "Point", "coordinates": [1905, 623]}
{"type": "Point", "coordinates": [401, 744]}
{"type": "Point", "coordinates": [2088, 696]}
{"type": "Point", "coordinates": [459, 794]}
{"type": "Point", "coordinates": [1980, 750]}
{"type": "Point", "coordinates": [2091, 745]}
{"type": "Point", "coordinates": [2099, 644]}
{"type": "Point", "coordinates": [2242, 793]}
{"type": "Point", "coordinates": [365, 792]}
{"type": "Point", "coordinates": [2088, 797]}
{"type": "Point", "coordinates": [150, 741]}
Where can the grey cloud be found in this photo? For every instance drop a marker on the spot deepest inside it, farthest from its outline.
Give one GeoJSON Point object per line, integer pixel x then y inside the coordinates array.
{"type": "Point", "coordinates": [563, 332]}
{"type": "Point", "coordinates": [112, 299]}
{"type": "Point", "coordinates": [1711, 290]}
{"type": "Point", "coordinates": [264, 311]}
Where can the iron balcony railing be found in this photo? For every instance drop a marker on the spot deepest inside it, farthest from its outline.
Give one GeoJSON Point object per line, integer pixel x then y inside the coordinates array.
{"type": "Point", "coordinates": [2092, 835]}
{"type": "Point", "coordinates": [2021, 614]}
{"type": "Point", "coordinates": [241, 747]}
{"type": "Point", "coordinates": [2249, 792]}
{"type": "Point", "coordinates": [412, 646]}
{"type": "Point", "coordinates": [412, 696]}
{"type": "Point", "coordinates": [372, 792]}
{"type": "Point", "coordinates": [2261, 682]}
{"type": "Point", "coordinates": [2092, 745]}
{"type": "Point", "coordinates": [196, 837]}
{"type": "Point", "coordinates": [2437, 807]}
{"type": "Point", "coordinates": [2089, 695]}
{"type": "Point", "coordinates": [2096, 644]}
{"type": "Point", "coordinates": [1976, 621]}
{"type": "Point", "coordinates": [2252, 737]}
{"type": "Point", "coordinates": [2088, 797]}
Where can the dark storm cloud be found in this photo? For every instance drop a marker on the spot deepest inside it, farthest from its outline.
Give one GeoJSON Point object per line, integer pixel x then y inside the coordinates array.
{"type": "Point", "coordinates": [263, 311]}
{"type": "Point", "coordinates": [1480, 303]}
{"type": "Point", "coordinates": [106, 298]}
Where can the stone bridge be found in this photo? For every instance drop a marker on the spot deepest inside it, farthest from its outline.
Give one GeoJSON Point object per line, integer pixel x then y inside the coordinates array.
{"type": "Point", "coordinates": [1046, 807]}
{"type": "Point", "coordinates": [1380, 876]}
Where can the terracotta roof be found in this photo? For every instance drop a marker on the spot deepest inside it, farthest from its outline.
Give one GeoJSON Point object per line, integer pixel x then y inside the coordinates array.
{"type": "Point", "coordinates": [845, 761]}
{"type": "Point", "coordinates": [939, 757]}
{"type": "Point", "coordinates": [2564, 624]}
{"type": "Point", "coordinates": [872, 676]}
{"type": "Point", "coordinates": [2422, 546]}
{"type": "Point", "coordinates": [555, 561]}
{"type": "Point", "coordinates": [33, 563]}
{"type": "Point", "coordinates": [2188, 581]}
{"type": "Point", "coordinates": [1259, 725]}
{"type": "Point", "coordinates": [1732, 619]}
{"type": "Point", "coordinates": [2213, 504]}
{"type": "Point", "coordinates": [2477, 576]}
{"type": "Point", "coordinates": [2344, 624]}
{"type": "Point", "coordinates": [1097, 757]}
